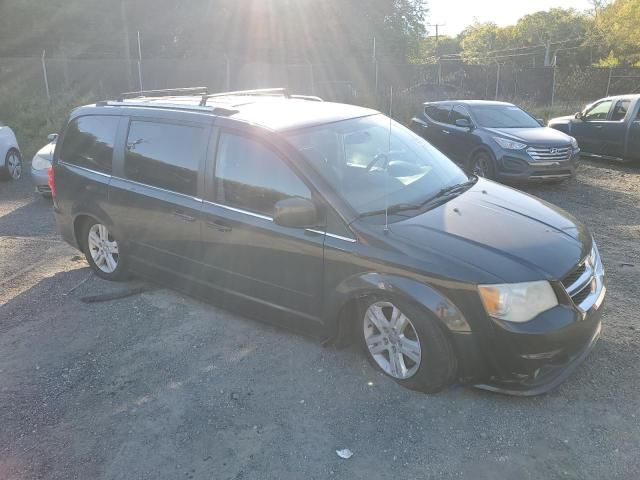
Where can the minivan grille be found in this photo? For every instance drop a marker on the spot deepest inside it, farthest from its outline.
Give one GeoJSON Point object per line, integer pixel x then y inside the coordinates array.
{"type": "Point", "coordinates": [550, 154]}
{"type": "Point", "coordinates": [580, 282]}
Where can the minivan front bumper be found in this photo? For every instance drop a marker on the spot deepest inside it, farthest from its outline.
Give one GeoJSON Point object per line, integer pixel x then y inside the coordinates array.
{"type": "Point", "coordinates": [536, 356]}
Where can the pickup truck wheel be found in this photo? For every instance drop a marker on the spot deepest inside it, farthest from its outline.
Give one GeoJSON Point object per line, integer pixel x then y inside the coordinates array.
{"type": "Point", "coordinates": [406, 344]}
{"type": "Point", "coordinates": [482, 165]}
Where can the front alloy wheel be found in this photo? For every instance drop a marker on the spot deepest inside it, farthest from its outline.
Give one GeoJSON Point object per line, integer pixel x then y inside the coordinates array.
{"type": "Point", "coordinates": [407, 342]}
{"type": "Point", "coordinates": [13, 164]}
{"type": "Point", "coordinates": [392, 340]}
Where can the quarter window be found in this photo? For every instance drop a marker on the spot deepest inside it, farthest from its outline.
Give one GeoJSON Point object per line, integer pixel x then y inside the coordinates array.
{"type": "Point", "coordinates": [599, 112]}
{"type": "Point", "coordinates": [252, 177]}
{"type": "Point", "coordinates": [88, 142]}
{"type": "Point", "coordinates": [164, 155]}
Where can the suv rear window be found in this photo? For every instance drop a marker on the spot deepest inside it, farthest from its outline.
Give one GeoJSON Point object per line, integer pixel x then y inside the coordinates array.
{"type": "Point", "coordinates": [88, 142]}
{"type": "Point", "coordinates": [164, 155]}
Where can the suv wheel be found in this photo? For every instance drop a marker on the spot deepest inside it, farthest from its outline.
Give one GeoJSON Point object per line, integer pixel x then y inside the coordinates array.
{"type": "Point", "coordinates": [482, 165]}
{"type": "Point", "coordinates": [407, 345]}
{"type": "Point", "coordinates": [103, 252]}
{"type": "Point", "coordinates": [12, 168]}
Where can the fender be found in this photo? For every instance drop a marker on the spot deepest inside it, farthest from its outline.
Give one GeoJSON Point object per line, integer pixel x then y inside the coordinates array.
{"type": "Point", "coordinates": [95, 211]}
{"type": "Point", "coordinates": [422, 294]}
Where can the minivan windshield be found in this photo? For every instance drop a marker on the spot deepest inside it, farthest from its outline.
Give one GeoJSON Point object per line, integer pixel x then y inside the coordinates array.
{"type": "Point", "coordinates": [375, 163]}
{"type": "Point", "coordinates": [503, 116]}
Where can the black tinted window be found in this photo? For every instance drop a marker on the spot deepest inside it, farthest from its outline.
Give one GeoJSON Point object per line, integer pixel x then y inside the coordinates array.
{"type": "Point", "coordinates": [620, 110]}
{"type": "Point", "coordinates": [252, 177]}
{"type": "Point", "coordinates": [164, 155]}
{"type": "Point", "coordinates": [438, 113]}
{"type": "Point", "coordinates": [88, 142]}
{"type": "Point", "coordinates": [459, 113]}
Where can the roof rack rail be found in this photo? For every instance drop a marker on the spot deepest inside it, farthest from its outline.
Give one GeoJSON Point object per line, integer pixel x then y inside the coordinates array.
{"type": "Point", "coordinates": [164, 92]}
{"type": "Point", "coordinates": [258, 91]}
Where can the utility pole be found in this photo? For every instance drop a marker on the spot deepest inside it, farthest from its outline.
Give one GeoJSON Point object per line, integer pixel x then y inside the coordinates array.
{"type": "Point", "coordinates": [437, 25]}
{"type": "Point", "coordinates": [126, 44]}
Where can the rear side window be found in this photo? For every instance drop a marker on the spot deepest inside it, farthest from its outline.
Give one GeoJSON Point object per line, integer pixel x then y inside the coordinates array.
{"type": "Point", "coordinates": [253, 177]}
{"type": "Point", "coordinates": [88, 142]}
{"type": "Point", "coordinates": [620, 110]}
{"type": "Point", "coordinates": [438, 113]}
{"type": "Point", "coordinates": [164, 155]}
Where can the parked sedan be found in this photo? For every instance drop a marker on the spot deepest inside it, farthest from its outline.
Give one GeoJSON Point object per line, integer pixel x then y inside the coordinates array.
{"type": "Point", "coordinates": [40, 166]}
{"type": "Point", "coordinates": [497, 140]}
{"type": "Point", "coordinates": [10, 157]}
{"type": "Point", "coordinates": [608, 128]}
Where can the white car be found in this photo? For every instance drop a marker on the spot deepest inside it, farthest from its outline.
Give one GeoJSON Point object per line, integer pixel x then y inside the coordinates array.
{"type": "Point", "coordinates": [40, 166]}
{"type": "Point", "coordinates": [10, 157]}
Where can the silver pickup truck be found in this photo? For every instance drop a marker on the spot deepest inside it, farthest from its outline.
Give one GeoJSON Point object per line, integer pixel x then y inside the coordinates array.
{"type": "Point", "coordinates": [607, 128]}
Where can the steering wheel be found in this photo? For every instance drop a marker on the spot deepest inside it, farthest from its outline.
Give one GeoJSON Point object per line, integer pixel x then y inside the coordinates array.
{"type": "Point", "coordinates": [376, 159]}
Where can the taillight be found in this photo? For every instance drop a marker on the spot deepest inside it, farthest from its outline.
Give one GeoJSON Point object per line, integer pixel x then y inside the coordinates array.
{"type": "Point", "coordinates": [51, 181]}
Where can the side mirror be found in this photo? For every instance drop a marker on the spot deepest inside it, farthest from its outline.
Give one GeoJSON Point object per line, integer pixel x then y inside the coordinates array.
{"type": "Point", "coordinates": [52, 137]}
{"type": "Point", "coordinates": [540, 121]}
{"type": "Point", "coordinates": [463, 123]}
{"type": "Point", "coordinates": [295, 212]}
{"type": "Point", "coordinates": [578, 115]}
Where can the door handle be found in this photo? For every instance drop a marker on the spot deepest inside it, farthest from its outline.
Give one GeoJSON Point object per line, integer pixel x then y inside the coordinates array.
{"type": "Point", "coordinates": [446, 132]}
{"type": "Point", "coordinates": [184, 216]}
{"type": "Point", "coordinates": [598, 126]}
{"type": "Point", "coordinates": [219, 225]}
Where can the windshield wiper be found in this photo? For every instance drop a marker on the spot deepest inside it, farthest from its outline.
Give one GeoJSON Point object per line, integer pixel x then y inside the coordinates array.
{"type": "Point", "coordinates": [392, 209]}
{"type": "Point", "coordinates": [457, 188]}
{"type": "Point", "coordinates": [441, 195]}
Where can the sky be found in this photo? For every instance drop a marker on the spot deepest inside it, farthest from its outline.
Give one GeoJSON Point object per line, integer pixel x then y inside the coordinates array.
{"type": "Point", "coordinates": [457, 14]}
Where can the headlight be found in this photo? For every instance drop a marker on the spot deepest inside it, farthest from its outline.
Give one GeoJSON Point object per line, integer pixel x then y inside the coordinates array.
{"type": "Point", "coordinates": [40, 163]}
{"type": "Point", "coordinates": [574, 143]}
{"type": "Point", "coordinates": [509, 144]}
{"type": "Point", "coordinates": [518, 302]}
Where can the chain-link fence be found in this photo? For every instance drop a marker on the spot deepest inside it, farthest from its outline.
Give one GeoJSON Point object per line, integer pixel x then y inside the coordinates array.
{"type": "Point", "coordinates": [367, 82]}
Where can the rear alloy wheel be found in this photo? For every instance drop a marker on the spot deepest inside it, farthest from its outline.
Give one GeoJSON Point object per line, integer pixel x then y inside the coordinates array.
{"type": "Point", "coordinates": [407, 344]}
{"type": "Point", "coordinates": [13, 165]}
{"type": "Point", "coordinates": [482, 166]}
{"type": "Point", "coordinates": [103, 252]}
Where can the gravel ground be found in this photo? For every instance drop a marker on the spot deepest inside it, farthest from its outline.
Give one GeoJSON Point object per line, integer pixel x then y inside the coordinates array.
{"type": "Point", "coordinates": [159, 385]}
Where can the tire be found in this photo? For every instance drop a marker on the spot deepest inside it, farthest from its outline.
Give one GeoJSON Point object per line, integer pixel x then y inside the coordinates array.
{"type": "Point", "coordinates": [482, 165]}
{"type": "Point", "coordinates": [431, 364]}
{"type": "Point", "coordinates": [103, 252]}
{"type": "Point", "coordinates": [12, 166]}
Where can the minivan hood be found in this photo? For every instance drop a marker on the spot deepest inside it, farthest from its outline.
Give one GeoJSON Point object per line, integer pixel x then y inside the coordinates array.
{"type": "Point", "coordinates": [510, 235]}
{"type": "Point", "coordinates": [540, 136]}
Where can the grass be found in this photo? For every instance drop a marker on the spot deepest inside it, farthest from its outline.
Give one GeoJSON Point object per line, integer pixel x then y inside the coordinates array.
{"type": "Point", "coordinates": [32, 118]}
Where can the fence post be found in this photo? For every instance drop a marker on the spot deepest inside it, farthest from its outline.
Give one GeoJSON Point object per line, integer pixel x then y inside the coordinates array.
{"type": "Point", "coordinates": [497, 80]}
{"type": "Point", "coordinates": [313, 84]}
{"type": "Point", "coordinates": [553, 85]}
{"type": "Point", "coordinates": [140, 62]}
{"type": "Point", "coordinates": [609, 81]}
{"type": "Point", "coordinates": [46, 78]}
{"type": "Point", "coordinates": [228, 74]}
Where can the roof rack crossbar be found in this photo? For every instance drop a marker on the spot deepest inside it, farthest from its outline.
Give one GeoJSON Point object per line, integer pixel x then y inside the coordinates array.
{"type": "Point", "coordinates": [165, 92]}
{"type": "Point", "coordinates": [258, 91]}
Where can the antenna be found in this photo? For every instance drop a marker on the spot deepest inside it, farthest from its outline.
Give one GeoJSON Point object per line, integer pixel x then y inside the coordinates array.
{"type": "Point", "coordinates": [386, 181]}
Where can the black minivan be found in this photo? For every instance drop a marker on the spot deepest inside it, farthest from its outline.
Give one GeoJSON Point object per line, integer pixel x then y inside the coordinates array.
{"type": "Point", "coordinates": [336, 221]}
